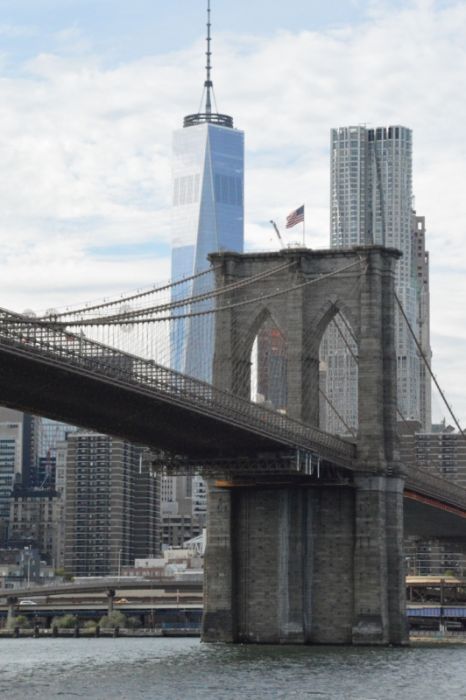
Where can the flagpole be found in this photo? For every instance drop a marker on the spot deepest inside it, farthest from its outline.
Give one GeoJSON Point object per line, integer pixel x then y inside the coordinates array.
{"type": "Point", "coordinates": [304, 227]}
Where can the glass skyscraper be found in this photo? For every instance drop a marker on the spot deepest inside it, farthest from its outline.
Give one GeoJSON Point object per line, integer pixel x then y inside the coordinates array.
{"type": "Point", "coordinates": [207, 217]}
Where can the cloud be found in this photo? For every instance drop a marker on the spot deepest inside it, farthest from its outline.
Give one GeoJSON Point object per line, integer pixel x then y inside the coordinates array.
{"type": "Point", "coordinates": [85, 149]}
{"type": "Point", "coordinates": [17, 31]}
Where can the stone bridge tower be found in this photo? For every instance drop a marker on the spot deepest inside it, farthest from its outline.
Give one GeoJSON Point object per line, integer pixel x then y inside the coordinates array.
{"type": "Point", "coordinates": [310, 560]}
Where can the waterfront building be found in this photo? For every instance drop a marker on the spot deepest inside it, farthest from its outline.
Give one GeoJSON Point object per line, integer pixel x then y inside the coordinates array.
{"type": "Point", "coordinates": [207, 215]}
{"type": "Point", "coordinates": [20, 566]}
{"type": "Point", "coordinates": [178, 528]}
{"type": "Point", "coordinates": [183, 508]}
{"type": "Point", "coordinates": [441, 452]}
{"type": "Point", "coordinates": [11, 454]}
{"type": "Point", "coordinates": [371, 203]}
{"type": "Point", "coordinates": [26, 429]}
{"type": "Point", "coordinates": [36, 520]}
{"type": "Point", "coordinates": [111, 505]}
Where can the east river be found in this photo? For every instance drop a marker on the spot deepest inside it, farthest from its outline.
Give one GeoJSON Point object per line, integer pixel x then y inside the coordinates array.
{"type": "Point", "coordinates": [179, 669]}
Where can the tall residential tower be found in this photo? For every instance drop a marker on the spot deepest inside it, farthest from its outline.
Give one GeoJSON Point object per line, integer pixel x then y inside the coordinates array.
{"type": "Point", "coordinates": [208, 213]}
{"type": "Point", "coordinates": [371, 203]}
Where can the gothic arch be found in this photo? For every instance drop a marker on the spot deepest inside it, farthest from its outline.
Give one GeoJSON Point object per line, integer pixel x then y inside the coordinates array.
{"type": "Point", "coordinates": [325, 316]}
{"type": "Point", "coordinates": [250, 333]}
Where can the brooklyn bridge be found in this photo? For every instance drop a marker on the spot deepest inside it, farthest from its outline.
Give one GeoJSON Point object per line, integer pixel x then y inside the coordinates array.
{"type": "Point", "coordinates": [298, 518]}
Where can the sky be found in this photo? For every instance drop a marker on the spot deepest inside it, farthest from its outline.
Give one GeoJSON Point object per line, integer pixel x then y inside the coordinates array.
{"type": "Point", "coordinates": [91, 91]}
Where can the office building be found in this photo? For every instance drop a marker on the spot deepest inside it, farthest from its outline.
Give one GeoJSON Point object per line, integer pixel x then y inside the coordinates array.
{"type": "Point", "coordinates": [111, 504]}
{"type": "Point", "coordinates": [207, 216]}
{"type": "Point", "coordinates": [371, 203]}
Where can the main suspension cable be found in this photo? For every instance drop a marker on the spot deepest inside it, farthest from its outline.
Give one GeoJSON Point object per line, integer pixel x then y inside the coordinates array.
{"type": "Point", "coordinates": [205, 312]}
{"type": "Point", "coordinates": [137, 295]}
{"type": "Point", "coordinates": [126, 316]}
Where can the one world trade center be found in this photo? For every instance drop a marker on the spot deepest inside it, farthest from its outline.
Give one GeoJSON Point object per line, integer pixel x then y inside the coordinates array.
{"type": "Point", "coordinates": [207, 217]}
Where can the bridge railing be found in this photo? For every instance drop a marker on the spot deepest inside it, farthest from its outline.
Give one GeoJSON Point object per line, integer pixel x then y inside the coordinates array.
{"type": "Point", "coordinates": [60, 345]}
{"type": "Point", "coordinates": [426, 483]}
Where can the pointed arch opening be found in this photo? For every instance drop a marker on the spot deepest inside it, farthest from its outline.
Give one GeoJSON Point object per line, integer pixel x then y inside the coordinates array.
{"type": "Point", "coordinates": [269, 366]}
{"type": "Point", "coordinates": [338, 376]}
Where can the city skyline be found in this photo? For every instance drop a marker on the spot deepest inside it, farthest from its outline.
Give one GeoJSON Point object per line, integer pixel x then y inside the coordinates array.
{"type": "Point", "coordinates": [97, 221]}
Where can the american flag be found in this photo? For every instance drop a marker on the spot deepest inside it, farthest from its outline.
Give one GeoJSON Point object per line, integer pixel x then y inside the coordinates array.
{"type": "Point", "coordinates": [295, 217]}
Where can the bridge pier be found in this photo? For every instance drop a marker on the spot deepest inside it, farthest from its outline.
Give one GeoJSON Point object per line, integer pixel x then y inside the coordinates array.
{"type": "Point", "coordinates": [110, 600]}
{"type": "Point", "coordinates": [305, 565]}
{"type": "Point", "coordinates": [396, 568]}
{"type": "Point", "coordinates": [218, 625]}
{"type": "Point", "coordinates": [12, 602]}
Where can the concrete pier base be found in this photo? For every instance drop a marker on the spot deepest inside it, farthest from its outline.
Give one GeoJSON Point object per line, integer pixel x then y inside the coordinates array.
{"type": "Point", "coordinates": [305, 565]}
{"type": "Point", "coordinates": [12, 602]}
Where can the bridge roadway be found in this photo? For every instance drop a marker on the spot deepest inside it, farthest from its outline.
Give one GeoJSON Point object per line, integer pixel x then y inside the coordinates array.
{"type": "Point", "coordinates": [114, 585]}
{"type": "Point", "coordinates": [49, 371]}
{"type": "Point", "coordinates": [104, 389]}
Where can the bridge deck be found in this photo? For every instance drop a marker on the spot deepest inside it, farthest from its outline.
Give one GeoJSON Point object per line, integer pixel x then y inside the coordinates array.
{"type": "Point", "coordinates": [49, 371]}
{"type": "Point", "coordinates": [175, 412]}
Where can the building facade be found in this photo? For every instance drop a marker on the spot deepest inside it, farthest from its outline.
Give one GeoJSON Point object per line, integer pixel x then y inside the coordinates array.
{"type": "Point", "coordinates": [441, 452]}
{"type": "Point", "coordinates": [36, 519]}
{"type": "Point", "coordinates": [421, 265]}
{"type": "Point", "coordinates": [207, 216]}
{"type": "Point", "coordinates": [111, 505]}
{"type": "Point", "coordinates": [183, 509]}
{"type": "Point", "coordinates": [11, 454]}
{"type": "Point", "coordinates": [371, 203]}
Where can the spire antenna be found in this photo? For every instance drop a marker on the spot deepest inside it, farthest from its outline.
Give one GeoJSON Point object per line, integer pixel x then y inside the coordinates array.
{"type": "Point", "coordinates": [207, 116]}
{"type": "Point", "coordinates": [208, 83]}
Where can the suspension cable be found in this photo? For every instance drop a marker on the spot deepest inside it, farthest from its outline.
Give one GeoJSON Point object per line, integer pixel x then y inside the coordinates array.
{"type": "Point", "coordinates": [347, 326]}
{"type": "Point", "coordinates": [337, 413]}
{"type": "Point", "coordinates": [137, 295]}
{"type": "Point", "coordinates": [186, 301]}
{"type": "Point", "coordinates": [350, 349]}
{"type": "Point", "coordinates": [427, 364]}
{"type": "Point", "coordinates": [205, 312]}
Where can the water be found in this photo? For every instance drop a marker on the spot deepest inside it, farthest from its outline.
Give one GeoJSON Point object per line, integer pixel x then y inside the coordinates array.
{"type": "Point", "coordinates": [179, 669]}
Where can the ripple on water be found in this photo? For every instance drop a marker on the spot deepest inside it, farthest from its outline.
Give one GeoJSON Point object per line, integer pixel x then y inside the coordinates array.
{"type": "Point", "coordinates": [175, 669]}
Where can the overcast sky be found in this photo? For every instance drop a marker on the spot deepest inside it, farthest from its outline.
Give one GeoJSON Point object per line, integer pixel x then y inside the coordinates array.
{"type": "Point", "coordinates": [91, 90]}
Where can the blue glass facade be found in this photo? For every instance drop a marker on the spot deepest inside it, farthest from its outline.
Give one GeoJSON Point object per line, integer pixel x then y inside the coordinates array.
{"type": "Point", "coordinates": [207, 216]}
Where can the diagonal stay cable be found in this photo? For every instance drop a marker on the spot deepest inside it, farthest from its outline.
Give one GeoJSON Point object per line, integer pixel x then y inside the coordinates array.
{"type": "Point", "coordinates": [337, 413]}
{"type": "Point", "coordinates": [427, 364]}
{"type": "Point", "coordinates": [345, 340]}
{"type": "Point", "coordinates": [347, 326]}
